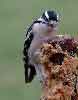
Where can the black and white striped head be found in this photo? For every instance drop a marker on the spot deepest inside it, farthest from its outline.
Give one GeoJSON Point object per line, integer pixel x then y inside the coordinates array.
{"type": "Point", "coordinates": [51, 17]}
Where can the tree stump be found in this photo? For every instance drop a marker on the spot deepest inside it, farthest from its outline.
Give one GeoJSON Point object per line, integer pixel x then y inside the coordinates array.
{"type": "Point", "coordinates": [60, 72]}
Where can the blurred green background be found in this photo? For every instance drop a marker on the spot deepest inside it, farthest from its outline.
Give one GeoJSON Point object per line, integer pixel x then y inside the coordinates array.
{"type": "Point", "coordinates": [15, 15]}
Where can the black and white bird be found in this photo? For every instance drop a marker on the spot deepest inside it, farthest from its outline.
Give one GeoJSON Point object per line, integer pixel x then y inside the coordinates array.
{"type": "Point", "coordinates": [39, 31]}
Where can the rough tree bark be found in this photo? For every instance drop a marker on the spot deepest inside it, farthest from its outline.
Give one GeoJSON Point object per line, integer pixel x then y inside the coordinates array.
{"type": "Point", "coordinates": [60, 70]}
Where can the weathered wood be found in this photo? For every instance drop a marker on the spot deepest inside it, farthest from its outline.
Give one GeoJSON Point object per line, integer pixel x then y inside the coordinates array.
{"type": "Point", "coordinates": [60, 71]}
